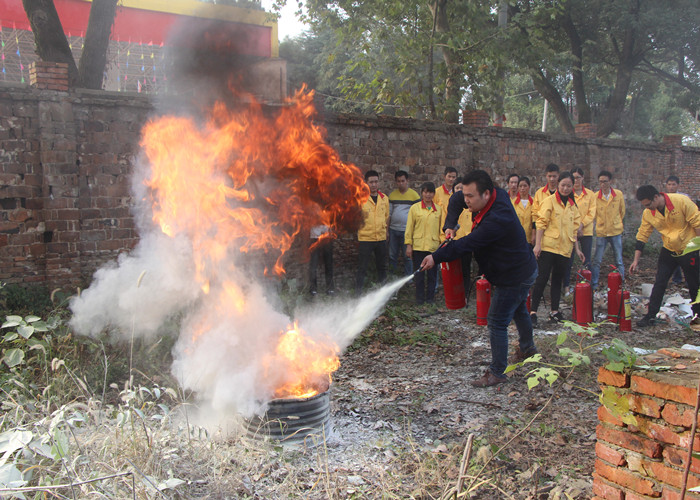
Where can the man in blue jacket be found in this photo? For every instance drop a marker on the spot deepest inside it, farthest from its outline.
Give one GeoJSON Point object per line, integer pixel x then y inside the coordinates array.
{"type": "Point", "coordinates": [500, 248]}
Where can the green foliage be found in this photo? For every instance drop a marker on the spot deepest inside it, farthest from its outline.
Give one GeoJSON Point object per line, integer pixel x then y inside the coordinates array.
{"type": "Point", "coordinates": [618, 404]}
{"type": "Point", "coordinates": [24, 299]}
{"type": "Point", "coordinates": [620, 356]}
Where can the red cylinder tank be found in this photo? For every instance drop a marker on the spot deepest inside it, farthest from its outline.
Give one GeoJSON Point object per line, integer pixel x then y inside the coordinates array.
{"type": "Point", "coordinates": [614, 282]}
{"type": "Point", "coordinates": [483, 300]}
{"type": "Point", "coordinates": [453, 284]}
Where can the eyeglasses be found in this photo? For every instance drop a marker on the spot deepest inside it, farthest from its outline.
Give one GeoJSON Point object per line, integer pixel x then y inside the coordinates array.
{"type": "Point", "coordinates": [577, 177]}
{"type": "Point", "coordinates": [601, 181]}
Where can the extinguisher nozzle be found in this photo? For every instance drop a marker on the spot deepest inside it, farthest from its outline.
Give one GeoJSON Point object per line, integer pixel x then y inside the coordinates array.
{"type": "Point", "coordinates": [419, 270]}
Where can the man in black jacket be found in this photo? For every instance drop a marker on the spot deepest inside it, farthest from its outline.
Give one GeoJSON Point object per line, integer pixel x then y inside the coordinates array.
{"type": "Point", "coordinates": [500, 248]}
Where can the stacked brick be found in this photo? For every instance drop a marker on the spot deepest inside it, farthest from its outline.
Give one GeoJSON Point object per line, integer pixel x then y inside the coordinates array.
{"type": "Point", "coordinates": [646, 460]}
{"type": "Point", "coordinates": [49, 76]}
{"type": "Point", "coordinates": [586, 130]}
{"type": "Point", "coordinates": [476, 118]}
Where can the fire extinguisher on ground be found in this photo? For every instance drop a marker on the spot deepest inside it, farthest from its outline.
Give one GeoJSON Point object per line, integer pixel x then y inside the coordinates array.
{"type": "Point", "coordinates": [583, 299]}
{"type": "Point", "coordinates": [625, 311]}
{"type": "Point", "coordinates": [483, 300]}
{"type": "Point", "coordinates": [614, 283]}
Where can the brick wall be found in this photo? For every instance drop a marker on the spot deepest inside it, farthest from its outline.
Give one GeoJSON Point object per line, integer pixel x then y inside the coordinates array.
{"type": "Point", "coordinates": [65, 160]}
{"type": "Point", "coordinates": [647, 460]}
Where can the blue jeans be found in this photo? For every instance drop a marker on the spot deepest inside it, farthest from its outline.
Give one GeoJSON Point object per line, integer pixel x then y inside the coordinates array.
{"type": "Point", "coordinates": [397, 249]}
{"type": "Point", "coordinates": [509, 303]}
{"type": "Point", "coordinates": [600, 243]}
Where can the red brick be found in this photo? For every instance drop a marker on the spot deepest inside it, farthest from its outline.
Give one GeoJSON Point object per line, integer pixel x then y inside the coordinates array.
{"type": "Point", "coordinates": [678, 415]}
{"type": "Point", "coordinates": [664, 390]}
{"type": "Point", "coordinates": [629, 441]}
{"type": "Point", "coordinates": [630, 495]}
{"type": "Point", "coordinates": [604, 415]}
{"type": "Point", "coordinates": [668, 475]}
{"type": "Point", "coordinates": [677, 457]}
{"type": "Point", "coordinates": [614, 457]}
{"type": "Point", "coordinates": [644, 405]}
{"type": "Point", "coordinates": [604, 490]}
{"type": "Point", "coordinates": [670, 493]}
{"type": "Point", "coordinates": [626, 479]}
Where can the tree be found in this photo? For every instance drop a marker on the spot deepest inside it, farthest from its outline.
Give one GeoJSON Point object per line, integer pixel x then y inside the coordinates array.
{"type": "Point", "coordinates": [52, 45]}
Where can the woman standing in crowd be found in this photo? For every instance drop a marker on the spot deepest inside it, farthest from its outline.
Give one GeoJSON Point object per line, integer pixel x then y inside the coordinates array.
{"type": "Point", "coordinates": [523, 207]}
{"type": "Point", "coordinates": [422, 238]}
{"type": "Point", "coordinates": [558, 221]}
{"type": "Point", "coordinates": [585, 201]}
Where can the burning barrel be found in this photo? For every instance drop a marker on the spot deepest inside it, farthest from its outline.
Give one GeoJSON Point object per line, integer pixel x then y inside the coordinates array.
{"type": "Point", "coordinates": [292, 420]}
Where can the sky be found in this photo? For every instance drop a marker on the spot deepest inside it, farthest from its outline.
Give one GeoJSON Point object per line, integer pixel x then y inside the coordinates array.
{"type": "Point", "coordinates": [289, 24]}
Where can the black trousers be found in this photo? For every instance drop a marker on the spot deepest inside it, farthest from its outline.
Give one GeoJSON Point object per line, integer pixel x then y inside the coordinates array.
{"type": "Point", "coordinates": [365, 250]}
{"type": "Point", "coordinates": [423, 295]}
{"type": "Point", "coordinates": [666, 266]}
{"type": "Point", "coordinates": [324, 252]}
{"type": "Point", "coordinates": [556, 265]}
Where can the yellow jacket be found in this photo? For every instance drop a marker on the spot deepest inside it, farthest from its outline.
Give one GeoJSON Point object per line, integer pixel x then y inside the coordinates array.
{"type": "Point", "coordinates": [586, 207]}
{"type": "Point", "coordinates": [609, 214]}
{"type": "Point", "coordinates": [442, 197]}
{"type": "Point", "coordinates": [560, 224]}
{"type": "Point", "coordinates": [464, 221]}
{"type": "Point", "coordinates": [423, 227]}
{"type": "Point", "coordinates": [524, 214]}
{"type": "Point", "coordinates": [376, 217]}
{"type": "Point", "coordinates": [677, 225]}
{"type": "Point", "coordinates": [539, 197]}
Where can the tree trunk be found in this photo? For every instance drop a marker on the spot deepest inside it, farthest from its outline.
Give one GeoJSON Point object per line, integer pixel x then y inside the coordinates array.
{"type": "Point", "coordinates": [628, 61]}
{"type": "Point", "coordinates": [94, 57]}
{"type": "Point", "coordinates": [584, 110]}
{"type": "Point", "coordinates": [452, 82]}
{"type": "Point", "coordinates": [51, 42]}
{"type": "Point", "coordinates": [549, 92]}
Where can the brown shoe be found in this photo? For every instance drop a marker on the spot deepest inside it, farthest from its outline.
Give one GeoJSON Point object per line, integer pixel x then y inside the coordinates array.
{"type": "Point", "coordinates": [488, 379]}
{"type": "Point", "coordinates": [519, 355]}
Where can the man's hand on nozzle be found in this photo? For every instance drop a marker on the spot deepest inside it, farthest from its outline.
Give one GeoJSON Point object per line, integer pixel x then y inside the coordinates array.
{"type": "Point", "coordinates": [428, 263]}
{"type": "Point", "coordinates": [449, 233]}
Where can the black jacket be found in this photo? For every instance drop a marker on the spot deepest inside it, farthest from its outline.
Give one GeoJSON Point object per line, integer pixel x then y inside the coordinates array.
{"type": "Point", "coordinates": [497, 241]}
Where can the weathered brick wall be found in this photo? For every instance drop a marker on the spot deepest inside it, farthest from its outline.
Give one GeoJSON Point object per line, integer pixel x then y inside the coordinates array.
{"type": "Point", "coordinates": [647, 460]}
{"type": "Point", "coordinates": [65, 160]}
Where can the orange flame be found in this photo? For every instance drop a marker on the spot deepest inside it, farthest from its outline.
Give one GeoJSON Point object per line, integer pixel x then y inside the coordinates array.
{"type": "Point", "coordinates": [242, 181]}
{"type": "Point", "coordinates": [307, 364]}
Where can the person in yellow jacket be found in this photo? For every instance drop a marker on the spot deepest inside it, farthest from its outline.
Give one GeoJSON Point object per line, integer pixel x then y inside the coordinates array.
{"type": "Point", "coordinates": [522, 203]}
{"type": "Point", "coordinates": [585, 201]}
{"type": "Point", "coordinates": [443, 193]}
{"type": "Point", "coordinates": [422, 238]}
{"type": "Point", "coordinates": [677, 218]}
{"type": "Point", "coordinates": [372, 235]}
{"type": "Point", "coordinates": [551, 173]}
{"type": "Point", "coordinates": [609, 217]}
{"type": "Point", "coordinates": [558, 221]}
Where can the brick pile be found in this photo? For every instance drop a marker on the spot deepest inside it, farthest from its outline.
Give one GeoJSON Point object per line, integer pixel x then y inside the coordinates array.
{"type": "Point", "coordinates": [475, 118]}
{"type": "Point", "coordinates": [586, 130]}
{"type": "Point", "coordinates": [45, 75]}
{"type": "Point", "coordinates": [647, 460]}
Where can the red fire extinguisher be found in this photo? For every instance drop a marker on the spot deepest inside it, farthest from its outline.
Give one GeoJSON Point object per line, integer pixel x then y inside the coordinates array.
{"type": "Point", "coordinates": [614, 282]}
{"type": "Point", "coordinates": [529, 299]}
{"type": "Point", "coordinates": [453, 284]}
{"type": "Point", "coordinates": [583, 300]}
{"type": "Point", "coordinates": [625, 311]}
{"type": "Point", "coordinates": [483, 300]}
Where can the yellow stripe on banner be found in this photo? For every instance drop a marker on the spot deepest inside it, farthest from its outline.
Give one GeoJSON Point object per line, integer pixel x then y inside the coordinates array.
{"type": "Point", "coordinates": [205, 10]}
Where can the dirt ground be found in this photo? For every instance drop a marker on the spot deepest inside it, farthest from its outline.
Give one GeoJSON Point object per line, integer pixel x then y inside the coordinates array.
{"type": "Point", "coordinates": [402, 407]}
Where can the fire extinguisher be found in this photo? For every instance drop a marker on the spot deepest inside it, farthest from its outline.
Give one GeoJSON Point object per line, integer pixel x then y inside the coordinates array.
{"type": "Point", "coordinates": [583, 301]}
{"type": "Point", "coordinates": [453, 284]}
{"type": "Point", "coordinates": [625, 311]}
{"type": "Point", "coordinates": [483, 300]}
{"type": "Point", "coordinates": [614, 282]}
{"type": "Point", "coordinates": [452, 281]}
{"type": "Point", "coordinates": [529, 300]}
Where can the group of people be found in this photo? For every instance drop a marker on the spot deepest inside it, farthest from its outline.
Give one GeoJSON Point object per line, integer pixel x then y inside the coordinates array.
{"type": "Point", "coordinates": [521, 242]}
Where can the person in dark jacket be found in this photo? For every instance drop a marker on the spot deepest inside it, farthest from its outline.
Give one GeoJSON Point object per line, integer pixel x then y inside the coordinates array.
{"type": "Point", "coordinates": [500, 247]}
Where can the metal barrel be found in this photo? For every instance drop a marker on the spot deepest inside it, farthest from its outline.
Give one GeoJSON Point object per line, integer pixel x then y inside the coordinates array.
{"type": "Point", "coordinates": [292, 421]}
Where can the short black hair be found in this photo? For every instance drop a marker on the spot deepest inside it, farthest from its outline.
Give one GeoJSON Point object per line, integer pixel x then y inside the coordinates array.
{"type": "Point", "coordinates": [605, 173]}
{"type": "Point", "coordinates": [552, 167]}
{"type": "Point", "coordinates": [450, 170]}
{"type": "Point", "coordinates": [427, 186]}
{"type": "Point", "coordinates": [646, 192]}
{"type": "Point", "coordinates": [481, 178]}
{"type": "Point", "coordinates": [566, 175]}
{"type": "Point", "coordinates": [525, 179]}
{"type": "Point", "coordinates": [400, 173]}
{"type": "Point", "coordinates": [371, 173]}
{"type": "Point", "coordinates": [674, 179]}
{"type": "Point", "coordinates": [511, 176]}
{"type": "Point", "coordinates": [579, 171]}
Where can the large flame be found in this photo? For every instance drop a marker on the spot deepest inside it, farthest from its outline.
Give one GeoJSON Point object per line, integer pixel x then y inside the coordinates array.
{"type": "Point", "coordinates": [242, 183]}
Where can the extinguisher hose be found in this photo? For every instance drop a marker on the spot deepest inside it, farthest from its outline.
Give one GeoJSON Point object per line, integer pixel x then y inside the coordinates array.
{"type": "Point", "coordinates": [620, 307]}
{"type": "Point", "coordinates": [469, 292]}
